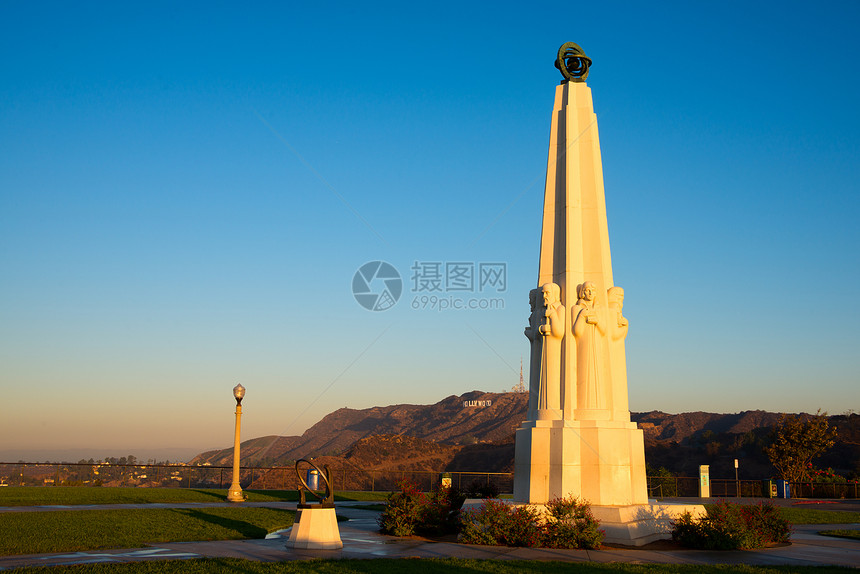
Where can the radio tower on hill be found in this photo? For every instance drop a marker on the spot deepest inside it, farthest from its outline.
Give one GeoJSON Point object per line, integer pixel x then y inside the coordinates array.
{"type": "Point", "coordinates": [521, 386]}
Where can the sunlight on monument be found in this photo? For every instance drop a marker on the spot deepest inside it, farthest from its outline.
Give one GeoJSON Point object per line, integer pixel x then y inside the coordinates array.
{"type": "Point", "coordinates": [578, 438]}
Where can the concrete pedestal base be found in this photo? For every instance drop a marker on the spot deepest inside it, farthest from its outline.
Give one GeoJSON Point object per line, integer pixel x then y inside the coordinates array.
{"type": "Point", "coordinates": [600, 461]}
{"type": "Point", "coordinates": [315, 528]}
{"type": "Point", "coordinates": [640, 524]}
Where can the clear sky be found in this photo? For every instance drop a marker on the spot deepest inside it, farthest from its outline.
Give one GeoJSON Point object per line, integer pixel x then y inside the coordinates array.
{"type": "Point", "coordinates": [187, 190]}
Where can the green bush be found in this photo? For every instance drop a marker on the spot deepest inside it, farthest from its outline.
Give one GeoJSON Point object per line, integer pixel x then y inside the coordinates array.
{"type": "Point", "coordinates": [571, 525]}
{"type": "Point", "coordinates": [767, 521]}
{"type": "Point", "coordinates": [410, 511]}
{"type": "Point", "coordinates": [404, 510]}
{"type": "Point", "coordinates": [730, 526]}
{"type": "Point", "coordinates": [827, 475]}
{"type": "Point", "coordinates": [440, 515]}
{"type": "Point", "coordinates": [568, 523]}
{"type": "Point", "coordinates": [499, 524]}
{"type": "Point", "coordinates": [661, 482]}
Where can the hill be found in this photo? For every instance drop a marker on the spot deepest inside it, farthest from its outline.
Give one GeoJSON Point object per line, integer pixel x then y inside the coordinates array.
{"type": "Point", "coordinates": [491, 417]}
{"type": "Point", "coordinates": [474, 432]}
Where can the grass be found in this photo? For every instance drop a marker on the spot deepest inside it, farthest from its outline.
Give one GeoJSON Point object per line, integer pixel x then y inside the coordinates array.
{"type": "Point", "coordinates": [75, 530]}
{"type": "Point", "coordinates": [76, 495]}
{"type": "Point", "coordinates": [855, 534]}
{"type": "Point", "coordinates": [409, 566]}
{"type": "Point", "coordinates": [816, 516]}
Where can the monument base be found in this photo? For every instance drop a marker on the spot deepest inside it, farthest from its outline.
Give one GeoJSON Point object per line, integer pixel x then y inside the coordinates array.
{"type": "Point", "coordinates": [600, 461]}
{"type": "Point", "coordinates": [632, 525]}
{"type": "Point", "coordinates": [315, 528]}
{"type": "Point", "coordinates": [640, 524]}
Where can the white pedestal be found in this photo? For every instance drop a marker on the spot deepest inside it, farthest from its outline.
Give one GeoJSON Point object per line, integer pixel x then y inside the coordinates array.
{"type": "Point", "coordinates": [315, 528]}
{"type": "Point", "coordinates": [602, 462]}
{"type": "Point", "coordinates": [640, 524]}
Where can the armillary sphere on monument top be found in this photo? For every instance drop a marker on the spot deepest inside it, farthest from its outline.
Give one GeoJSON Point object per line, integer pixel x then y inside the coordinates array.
{"type": "Point", "coordinates": [572, 62]}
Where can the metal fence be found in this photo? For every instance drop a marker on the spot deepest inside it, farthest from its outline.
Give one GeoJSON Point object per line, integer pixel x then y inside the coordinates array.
{"type": "Point", "coordinates": [688, 486]}
{"type": "Point", "coordinates": [284, 478]}
{"type": "Point", "coordinates": [825, 490]}
{"type": "Point", "coordinates": [268, 478]}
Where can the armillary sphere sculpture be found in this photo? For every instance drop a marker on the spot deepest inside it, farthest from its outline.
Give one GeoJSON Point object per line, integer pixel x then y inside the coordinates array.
{"type": "Point", "coordinates": [326, 501]}
{"type": "Point", "coordinates": [572, 62]}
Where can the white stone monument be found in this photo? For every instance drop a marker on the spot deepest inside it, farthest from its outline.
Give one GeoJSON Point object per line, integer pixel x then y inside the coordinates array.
{"type": "Point", "coordinates": [578, 439]}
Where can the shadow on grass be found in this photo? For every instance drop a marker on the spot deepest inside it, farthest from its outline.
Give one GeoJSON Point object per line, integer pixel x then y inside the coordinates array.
{"type": "Point", "coordinates": [245, 529]}
{"type": "Point", "coordinates": [216, 496]}
{"type": "Point", "coordinates": [841, 533]}
{"type": "Point", "coordinates": [275, 495]}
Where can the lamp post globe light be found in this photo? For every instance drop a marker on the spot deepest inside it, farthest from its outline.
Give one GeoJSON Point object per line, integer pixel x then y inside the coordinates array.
{"type": "Point", "coordinates": [235, 493]}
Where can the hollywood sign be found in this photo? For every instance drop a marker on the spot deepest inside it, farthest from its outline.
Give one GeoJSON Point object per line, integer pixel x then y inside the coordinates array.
{"type": "Point", "coordinates": [477, 403]}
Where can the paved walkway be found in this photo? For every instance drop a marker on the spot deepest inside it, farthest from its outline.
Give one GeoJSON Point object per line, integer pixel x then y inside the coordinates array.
{"type": "Point", "coordinates": [361, 539]}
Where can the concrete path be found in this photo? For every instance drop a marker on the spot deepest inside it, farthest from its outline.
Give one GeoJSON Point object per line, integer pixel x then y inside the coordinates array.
{"type": "Point", "coordinates": [362, 540]}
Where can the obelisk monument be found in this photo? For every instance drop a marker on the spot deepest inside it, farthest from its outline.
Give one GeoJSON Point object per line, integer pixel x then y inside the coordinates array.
{"type": "Point", "coordinates": [578, 438]}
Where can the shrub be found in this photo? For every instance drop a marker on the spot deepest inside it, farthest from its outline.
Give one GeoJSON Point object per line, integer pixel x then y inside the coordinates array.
{"type": "Point", "coordinates": [766, 521]}
{"type": "Point", "coordinates": [730, 526]}
{"type": "Point", "coordinates": [570, 524]}
{"type": "Point", "coordinates": [404, 510]}
{"type": "Point", "coordinates": [410, 511]}
{"type": "Point", "coordinates": [823, 475]}
{"type": "Point", "coordinates": [496, 523]}
{"type": "Point", "coordinates": [661, 482]}
{"type": "Point", "coordinates": [441, 513]}
{"type": "Point", "coordinates": [688, 531]}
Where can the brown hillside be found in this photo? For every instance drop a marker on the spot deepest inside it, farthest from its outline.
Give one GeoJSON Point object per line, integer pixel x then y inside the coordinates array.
{"type": "Point", "coordinates": [398, 452]}
{"type": "Point", "coordinates": [447, 421]}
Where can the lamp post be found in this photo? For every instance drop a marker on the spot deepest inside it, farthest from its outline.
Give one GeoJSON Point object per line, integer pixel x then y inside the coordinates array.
{"type": "Point", "coordinates": [737, 482]}
{"type": "Point", "coordinates": [235, 493]}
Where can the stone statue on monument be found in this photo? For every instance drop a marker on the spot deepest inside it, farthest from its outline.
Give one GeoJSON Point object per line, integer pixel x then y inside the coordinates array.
{"type": "Point", "coordinates": [589, 330]}
{"type": "Point", "coordinates": [532, 332]}
{"type": "Point", "coordinates": [617, 359]}
{"type": "Point", "coordinates": [551, 331]}
{"type": "Point", "coordinates": [618, 323]}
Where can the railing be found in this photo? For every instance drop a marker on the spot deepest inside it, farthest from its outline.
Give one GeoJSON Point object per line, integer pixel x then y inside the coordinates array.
{"type": "Point", "coordinates": [262, 478]}
{"type": "Point", "coordinates": [284, 478]}
{"type": "Point", "coordinates": [688, 486]}
{"type": "Point", "coordinates": [824, 490]}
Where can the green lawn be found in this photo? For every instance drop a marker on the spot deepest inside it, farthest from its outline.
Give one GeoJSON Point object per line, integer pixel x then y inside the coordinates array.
{"type": "Point", "coordinates": [817, 516]}
{"type": "Point", "coordinates": [410, 566]}
{"type": "Point", "coordinates": [74, 530]}
{"type": "Point", "coordinates": [75, 495]}
{"type": "Point", "coordinates": [855, 534]}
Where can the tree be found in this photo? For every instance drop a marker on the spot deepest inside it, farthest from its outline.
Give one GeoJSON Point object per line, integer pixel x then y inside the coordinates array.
{"type": "Point", "coordinates": [796, 440]}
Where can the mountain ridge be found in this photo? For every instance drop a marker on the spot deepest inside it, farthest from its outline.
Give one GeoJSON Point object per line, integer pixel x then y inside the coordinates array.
{"type": "Point", "coordinates": [474, 431]}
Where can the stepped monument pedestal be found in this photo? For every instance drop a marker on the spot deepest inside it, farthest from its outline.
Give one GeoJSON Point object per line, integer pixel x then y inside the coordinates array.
{"type": "Point", "coordinates": [578, 438]}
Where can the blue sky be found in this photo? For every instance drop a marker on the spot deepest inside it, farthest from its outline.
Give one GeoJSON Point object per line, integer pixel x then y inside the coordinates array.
{"type": "Point", "coordinates": [186, 192]}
